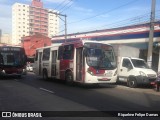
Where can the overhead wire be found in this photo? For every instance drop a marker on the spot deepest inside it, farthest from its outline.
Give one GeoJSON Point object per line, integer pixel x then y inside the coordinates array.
{"type": "Point", "coordinates": [65, 6]}
{"type": "Point", "coordinates": [60, 4]}
{"type": "Point", "coordinates": [127, 22]}
{"type": "Point", "coordinates": [104, 12]}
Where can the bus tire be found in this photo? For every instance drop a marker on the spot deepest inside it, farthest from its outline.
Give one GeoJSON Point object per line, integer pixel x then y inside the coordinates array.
{"type": "Point", "coordinates": [45, 75]}
{"type": "Point", "coordinates": [132, 82]}
{"type": "Point", "coordinates": [69, 78]}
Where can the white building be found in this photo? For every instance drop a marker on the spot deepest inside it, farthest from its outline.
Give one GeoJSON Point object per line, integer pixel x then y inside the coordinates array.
{"type": "Point", "coordinates": [20, 22]}
{"type": "Point", "coordinates": [53, 23]}
{"type": "Point", "coordinates": [32, 19]}
{"type": "Point", "coordinates": [6, 39]}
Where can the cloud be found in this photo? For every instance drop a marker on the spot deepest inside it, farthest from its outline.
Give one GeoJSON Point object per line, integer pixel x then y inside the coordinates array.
{"type": "Point", "coordinates": [81, 9]}
{"type": "Point", "coordinates": [57, 1]}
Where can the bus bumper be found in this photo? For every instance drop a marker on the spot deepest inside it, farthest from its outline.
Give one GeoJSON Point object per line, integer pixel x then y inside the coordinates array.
{"type": "Point", "coordinates": [100, 79]}
{"type": "Point", "coordinates": [11, 73]}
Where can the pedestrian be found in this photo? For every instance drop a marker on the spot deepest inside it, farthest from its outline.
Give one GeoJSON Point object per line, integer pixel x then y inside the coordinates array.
{"type": "Point", "coordinates": [157, 82]}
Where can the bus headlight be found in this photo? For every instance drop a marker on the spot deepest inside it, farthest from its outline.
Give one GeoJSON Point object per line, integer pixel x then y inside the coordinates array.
{"type": "Point", "coordinates": [3, 71]}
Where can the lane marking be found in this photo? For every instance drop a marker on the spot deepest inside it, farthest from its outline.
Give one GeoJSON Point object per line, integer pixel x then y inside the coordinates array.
{"type": "Point", "coordinates": [46, 90]}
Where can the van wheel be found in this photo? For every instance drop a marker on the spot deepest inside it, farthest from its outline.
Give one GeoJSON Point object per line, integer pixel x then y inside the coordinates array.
{"type": "Point", "coordinates": [69, 78]}
{"type": "Point", "coordinates": [45, 75]}
{"type": "Point", "coordinates": [132, 82]}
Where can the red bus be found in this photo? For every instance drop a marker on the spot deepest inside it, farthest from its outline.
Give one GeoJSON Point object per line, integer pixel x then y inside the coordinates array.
{"type": "Point", "coordinates": [12, 61]}
{"type": "Point", "coordinates": [81, 61]}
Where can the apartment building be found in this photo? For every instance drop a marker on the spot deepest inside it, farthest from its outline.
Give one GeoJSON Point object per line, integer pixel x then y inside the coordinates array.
{"type": "Point", "coordinates": [20, 22]}
{"type": "Point", "coordinates": [32, 19]}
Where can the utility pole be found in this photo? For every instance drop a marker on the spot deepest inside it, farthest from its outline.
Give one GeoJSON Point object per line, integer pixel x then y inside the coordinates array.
{"type": "Point", "coordinates": [65, 22]}
{"type": "Point", "coordinates": [65, 28]}
{"type": "Point", "coordinates": [151, 34]}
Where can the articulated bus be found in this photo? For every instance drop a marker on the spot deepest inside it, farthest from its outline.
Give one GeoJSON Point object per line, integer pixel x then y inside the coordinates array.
{"type": "Point", "coordinates": [81, 61]}
{"type": "Point", "coordinates": [12, 61]}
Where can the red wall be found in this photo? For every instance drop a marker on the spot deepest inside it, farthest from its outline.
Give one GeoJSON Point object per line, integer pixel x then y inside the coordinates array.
{"type": "Point", "coordinates": [31, 43]}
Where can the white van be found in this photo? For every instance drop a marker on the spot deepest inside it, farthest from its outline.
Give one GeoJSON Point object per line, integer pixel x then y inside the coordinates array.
{"type": "Point", "coordinates": [135, 71]}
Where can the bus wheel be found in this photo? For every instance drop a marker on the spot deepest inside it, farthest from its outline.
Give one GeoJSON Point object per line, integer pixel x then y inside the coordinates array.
{"type": "Point", "coordinates": [45, 75]}
{"type": "Point", "coordinates": [132, 82]}
{"type": "Point", "coordinates": [69, 78]}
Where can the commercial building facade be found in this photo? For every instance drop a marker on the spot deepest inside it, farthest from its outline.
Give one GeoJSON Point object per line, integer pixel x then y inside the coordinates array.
{"type": "Point", "coordinates": [32, 19]}
{"type": "Point", "coordinates": [135, 36]}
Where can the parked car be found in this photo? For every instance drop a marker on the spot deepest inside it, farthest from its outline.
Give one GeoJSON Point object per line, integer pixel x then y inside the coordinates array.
{"type": "Point", "coordinates": [29, 67]}
{"type": "Point", "coordinates": [156, 83]}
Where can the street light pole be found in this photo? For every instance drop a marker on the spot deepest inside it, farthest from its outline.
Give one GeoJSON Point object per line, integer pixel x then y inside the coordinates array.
{"type": "Point", "coordinates": [65, 21]}
{"type": "Point", "coordinates": [151, 34]}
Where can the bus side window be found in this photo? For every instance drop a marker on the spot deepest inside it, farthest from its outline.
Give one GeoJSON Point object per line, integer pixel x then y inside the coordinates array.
{"type": "Point", "coordinates": [46, 54]}
{"type": "Point", "coordinates": [60, 52]}
{"type": "Point", "coordinates": [1, 58]}
{"type": "Point", "coordinates": [68, 52]}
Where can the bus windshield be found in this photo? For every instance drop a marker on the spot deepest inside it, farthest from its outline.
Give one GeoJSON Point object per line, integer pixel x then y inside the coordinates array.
{"type": "Point", "coordinates": [100, 56]}
{"type": "Point", "coordinates": [12, 56]}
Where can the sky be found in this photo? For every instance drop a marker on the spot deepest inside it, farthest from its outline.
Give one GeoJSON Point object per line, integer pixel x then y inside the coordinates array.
{"type": "Point", "coordinates": [88, 15]}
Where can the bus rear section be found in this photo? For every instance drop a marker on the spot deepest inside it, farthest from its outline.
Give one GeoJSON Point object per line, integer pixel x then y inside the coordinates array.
{"type": "Point", "coordinates": [12, 61]}
{"type": "Point", "coordinates": [84, 62]}
{"type": "Point", "coordinates": [46, 64]}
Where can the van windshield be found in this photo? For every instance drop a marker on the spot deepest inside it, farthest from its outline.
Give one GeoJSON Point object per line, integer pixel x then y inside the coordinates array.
{"type": "Point", "coordinates": [139, 63]}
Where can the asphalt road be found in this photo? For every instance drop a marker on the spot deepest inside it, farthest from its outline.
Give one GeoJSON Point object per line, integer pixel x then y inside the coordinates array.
{"type": "Point", "coordinates": [31, 93]}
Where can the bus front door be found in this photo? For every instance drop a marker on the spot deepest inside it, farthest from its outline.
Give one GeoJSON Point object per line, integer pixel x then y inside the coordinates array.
{"type": "Point", "coordinates": [79, 64]}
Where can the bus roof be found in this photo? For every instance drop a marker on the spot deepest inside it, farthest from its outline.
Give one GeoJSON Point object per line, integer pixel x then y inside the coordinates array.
{"type": "Point", "coordinates": [83, 41]}
{"type": "Point", "coordinates": [48, 47]}
{"type": "Point", "coordinates": [76, 42]}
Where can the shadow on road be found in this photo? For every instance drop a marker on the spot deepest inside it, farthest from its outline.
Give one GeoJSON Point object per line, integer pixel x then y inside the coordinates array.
{"type": "Point", "coordinates": [98, 97]}
{"type": "Point", "coordinates": [10, 77]}
{"type": "Point", "coordinates": [139, 86]}
{"type": "Point", "coordinates": [80, 85]}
